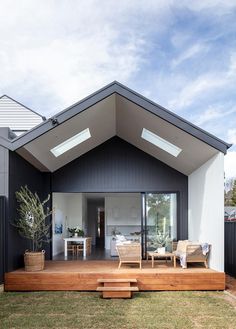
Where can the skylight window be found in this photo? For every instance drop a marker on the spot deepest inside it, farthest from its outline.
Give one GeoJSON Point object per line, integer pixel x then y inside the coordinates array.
{"type": "Point", "coordinates": [160, 142]}
{"type": "Point", "coordinates": [71, 142]}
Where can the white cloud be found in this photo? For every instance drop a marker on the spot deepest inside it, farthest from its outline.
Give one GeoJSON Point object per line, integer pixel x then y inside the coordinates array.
{"type": "Point", "coordinates": [53, 53]}
{"type": "Point", "coordinates": [230, 164]}
{"type": "Point", "coordinates": [212, 113]}
{"type": "Point", "coordinates": [232, 68]}
{"type": "Point", "coordinates": [194, 89]}
{"type": "Point", "coordinates": [205, 84]}
{"type": "Point", "coordinates": [218, 7]}
{"type": "Point", "coordinates": [188, 53]}
{"type": "Point", "coordinates": [61, 51]}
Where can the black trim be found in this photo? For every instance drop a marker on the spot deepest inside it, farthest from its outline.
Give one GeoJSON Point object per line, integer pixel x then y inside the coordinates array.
{"type": "Point", "coordinates": [116, 87]}
{"type": "Point", "coordinates": [178, 122]}
{"type": "Point", "coordinates": [143, 224]}
{"type": "Point", "coordinates": [230, 250]}
{"type": "Point", "coordinates": [2, 237]}
{"type": "Point", "coordinates": [182, 228]}
{"type": "Point", "coordinates": [64, 116]}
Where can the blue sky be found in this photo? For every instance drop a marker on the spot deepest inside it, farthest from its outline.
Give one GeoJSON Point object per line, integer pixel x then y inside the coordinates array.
{"type": "Point", "coordinates": [180, 54]}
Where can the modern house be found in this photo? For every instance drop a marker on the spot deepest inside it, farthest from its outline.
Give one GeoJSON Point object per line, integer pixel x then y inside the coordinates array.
{"type": "Point", "coordinates": [116, 160]}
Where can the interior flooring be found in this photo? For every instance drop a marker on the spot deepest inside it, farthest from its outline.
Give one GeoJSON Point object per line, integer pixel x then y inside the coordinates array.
{"type": "Point", "coordinates": [96, 254]}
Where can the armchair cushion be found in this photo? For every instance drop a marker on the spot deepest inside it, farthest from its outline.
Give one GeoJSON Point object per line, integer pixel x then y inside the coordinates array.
{"type": "Point", "coordinates": [192, 252]}
{"type": "Point", "coordinates": [182, 246]}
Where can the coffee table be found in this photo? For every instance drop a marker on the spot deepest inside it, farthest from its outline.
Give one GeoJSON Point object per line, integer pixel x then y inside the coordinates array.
{"type": "Point", "coordinates": [154, 255]}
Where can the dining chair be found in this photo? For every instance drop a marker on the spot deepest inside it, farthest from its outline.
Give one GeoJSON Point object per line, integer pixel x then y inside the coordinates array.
{"type": "Point", "coordinates": [71, 247]}
{"type": "Point", "coordinates": [88, 246]}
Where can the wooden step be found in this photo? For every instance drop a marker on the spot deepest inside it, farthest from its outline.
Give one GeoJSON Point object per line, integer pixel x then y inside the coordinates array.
{"type": "Point", "coordinates": [117, 292]}
{"type": "Point", "coordinates": [117, 289]}
{"type": "Point", "coordinates": [117, 280]}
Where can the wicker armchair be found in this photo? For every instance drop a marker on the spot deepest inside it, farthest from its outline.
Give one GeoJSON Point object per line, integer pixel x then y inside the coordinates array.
{"type": "Point", "coordinates": [193, 252]}
{"type": "Point", "coordinates": [129, 253]}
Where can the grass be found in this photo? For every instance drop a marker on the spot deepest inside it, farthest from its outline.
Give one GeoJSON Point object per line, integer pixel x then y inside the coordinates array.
{"type": "Point", "coordinates": [146, 310]}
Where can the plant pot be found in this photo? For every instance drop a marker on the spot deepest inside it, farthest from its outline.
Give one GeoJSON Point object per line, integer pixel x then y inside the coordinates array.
{"type": "Point", "coordinates": [34, 261]}
{"type": "Point", "coordinates": [75, 235]}
{"type": "Point", "coordinates": [161, 250]}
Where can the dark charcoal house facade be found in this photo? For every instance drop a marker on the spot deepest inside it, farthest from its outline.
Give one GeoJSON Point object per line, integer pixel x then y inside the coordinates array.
{"type": "Point", "coordinates": [114, 146]}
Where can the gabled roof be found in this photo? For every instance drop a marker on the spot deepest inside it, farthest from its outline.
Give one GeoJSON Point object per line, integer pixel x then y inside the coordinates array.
{"type": "Point", "coordinates": [118, 110]}
{"type": "Point", "coordinates": [17, 116]}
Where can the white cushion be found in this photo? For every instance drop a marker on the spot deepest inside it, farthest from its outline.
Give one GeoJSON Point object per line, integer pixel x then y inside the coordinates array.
{"type": "Point", "coordinates": [182, 246]}
{"type": "Point", "coordinates": [120, 237]}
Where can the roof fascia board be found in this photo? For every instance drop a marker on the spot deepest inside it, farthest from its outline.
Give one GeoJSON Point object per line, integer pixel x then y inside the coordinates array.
{"type": "Point", "coordinates": [116, 87]}
{"type": "Point", "coordinates": [6, 143]}
{"type": "Point", "coordinates": [63, 116]}
{"type": "Point", "coordinates": [172, 118]}
{"type": "Point", "coordinates": [86, 103]}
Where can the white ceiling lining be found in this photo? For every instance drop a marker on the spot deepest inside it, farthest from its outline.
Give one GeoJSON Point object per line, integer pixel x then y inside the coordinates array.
{"type": "Point", "coordinates": [131, 119]}
{"type": "Point", "coordinates": [116, 115]}
{"type": "Point", "coordinates": [99, 118]}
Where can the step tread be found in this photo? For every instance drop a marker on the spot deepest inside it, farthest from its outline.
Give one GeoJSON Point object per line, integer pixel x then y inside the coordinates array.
{"type": "Point", "coordinates": [117, 280]}
{"type": "Point", "coordinates": [117, 289]}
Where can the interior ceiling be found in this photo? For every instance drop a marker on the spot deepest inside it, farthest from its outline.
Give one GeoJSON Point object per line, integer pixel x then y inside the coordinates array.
{"type": "Point", "coordinates": [115, 115]}
{"type": "Point", "coordinates": [95, 196]}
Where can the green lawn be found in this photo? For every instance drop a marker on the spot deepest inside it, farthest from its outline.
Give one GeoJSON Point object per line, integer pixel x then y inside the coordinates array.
{"type": "Point", "coordinates": [145, 310]}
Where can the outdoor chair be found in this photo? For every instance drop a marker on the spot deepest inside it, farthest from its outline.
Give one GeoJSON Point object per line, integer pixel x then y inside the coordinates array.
{"type": "Point", "coordinates": [190, 252]}
{"type": "Point", "coordinates": [129, 253]}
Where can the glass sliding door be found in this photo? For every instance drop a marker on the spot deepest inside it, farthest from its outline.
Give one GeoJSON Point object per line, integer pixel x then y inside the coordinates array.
{"type": "Point", "coordinates": [159, 221]}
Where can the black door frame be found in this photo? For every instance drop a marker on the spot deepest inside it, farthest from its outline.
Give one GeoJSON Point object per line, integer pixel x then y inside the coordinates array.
{"type": "Point", "coordinates": [2, 237]}
{"type": "Point", "coordinates": [144, 217]}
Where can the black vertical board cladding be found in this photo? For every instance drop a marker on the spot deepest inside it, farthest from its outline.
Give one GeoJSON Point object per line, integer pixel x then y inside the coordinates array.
{"type": "Point", "coordinates": [22, 173]}
{"type": "Point", "coordinates": [117, 166]}
{"type": "Point", "coordinates": [2, 236]}
{"type": "Point", "coordinates": [230, 248]}
{"type": "Point", "coordinates": [114, 166]}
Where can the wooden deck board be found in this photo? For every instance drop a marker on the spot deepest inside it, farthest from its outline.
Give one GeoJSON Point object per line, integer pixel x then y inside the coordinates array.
{"type": "Point", "coordinates": [83, 276]}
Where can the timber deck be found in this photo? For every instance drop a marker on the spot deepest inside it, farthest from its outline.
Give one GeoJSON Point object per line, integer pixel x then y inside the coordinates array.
{"type": "Point", "coordinates": [80, 275]}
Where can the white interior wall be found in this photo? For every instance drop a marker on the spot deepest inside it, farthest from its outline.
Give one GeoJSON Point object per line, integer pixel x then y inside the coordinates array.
{"type": "Point", "coordinates": [74, 209]}
{"type": "Point", "coordinates": [68, 211]}
{"type": "Point", "coordinates": [206, 208]}
{"type": "Point", "coordinates": [124, 213]}
{"type": "Point", "coordinates": [59, 217]}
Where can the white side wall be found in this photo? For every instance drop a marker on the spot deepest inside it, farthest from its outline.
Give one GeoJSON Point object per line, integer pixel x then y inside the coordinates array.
{"type": "Point", "coordinates": [124, 213]}
{"type": "Point", "coordinates": [206, 208]}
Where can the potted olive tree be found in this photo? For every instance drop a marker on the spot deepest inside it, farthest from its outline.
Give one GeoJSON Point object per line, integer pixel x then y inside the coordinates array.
{"type": "Point", "coordinates": [32, 225]}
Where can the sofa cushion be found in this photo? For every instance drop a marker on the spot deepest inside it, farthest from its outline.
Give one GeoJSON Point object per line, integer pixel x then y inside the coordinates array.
{"type": "Point", "coordinates": [182, 246]}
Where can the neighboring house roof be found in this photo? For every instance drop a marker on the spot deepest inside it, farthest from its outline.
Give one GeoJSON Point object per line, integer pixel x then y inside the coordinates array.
{"type": "Point", "coordinates": [16, 116]}
{"type": "Point", "coordinates": [229, 209]}
{"type": "Point", "coordinates": [117, 110]}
